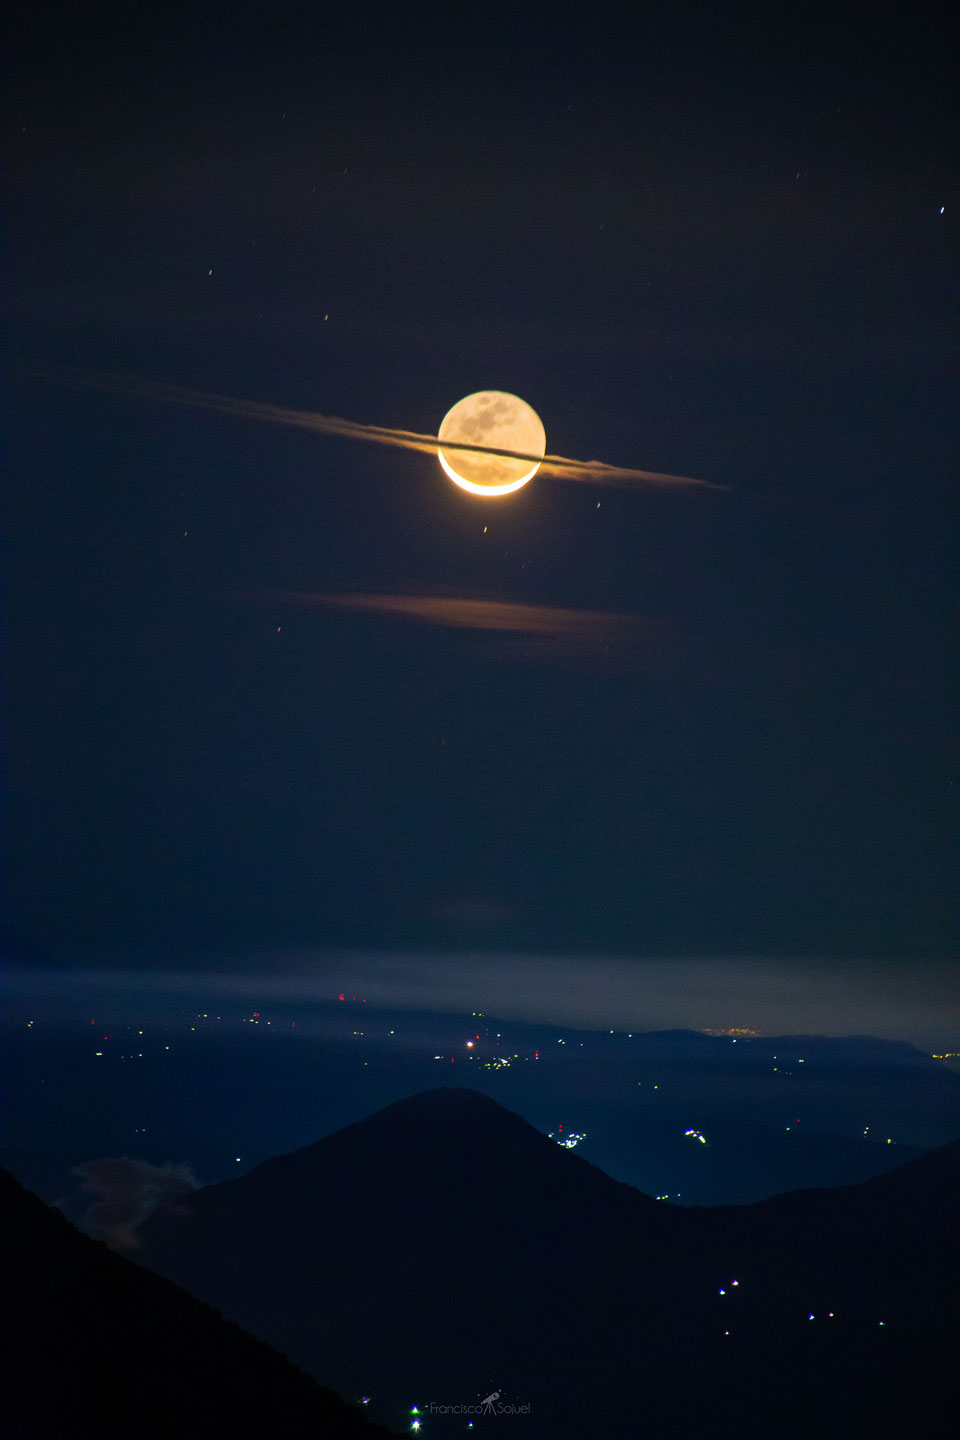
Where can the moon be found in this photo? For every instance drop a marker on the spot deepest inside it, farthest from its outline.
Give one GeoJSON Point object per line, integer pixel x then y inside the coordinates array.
{"type": "Point", "coordinates": [497, 420]}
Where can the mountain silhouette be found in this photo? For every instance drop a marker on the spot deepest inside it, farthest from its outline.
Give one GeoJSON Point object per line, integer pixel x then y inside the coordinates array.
{"type": "Point", "coordinates": [443, 1248]}
{"type": "Point", "coordinates": [95, 1345]}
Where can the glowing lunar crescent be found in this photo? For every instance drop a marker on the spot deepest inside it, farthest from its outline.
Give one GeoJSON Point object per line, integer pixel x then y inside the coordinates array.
{"type": "Point", "coordinates": [498, 420]}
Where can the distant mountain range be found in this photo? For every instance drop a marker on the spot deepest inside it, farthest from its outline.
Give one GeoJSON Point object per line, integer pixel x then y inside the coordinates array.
{"type": "Point", "coordinates": [776, 1113]}
{"type": "Point", "coordinates": [94, 1345]}
{"type": "Point", "coordinates": [444, 1250]}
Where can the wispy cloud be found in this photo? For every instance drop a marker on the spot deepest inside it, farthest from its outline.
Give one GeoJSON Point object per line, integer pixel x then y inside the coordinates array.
{"type": "Point", "coordinates": [594, 471]}
{"type": "Point", "coordinates": [467, 614]}
{"type": "Point", "coordinates": [129, 1191]}
{"type": "Point", "coordinates": [526, 631]}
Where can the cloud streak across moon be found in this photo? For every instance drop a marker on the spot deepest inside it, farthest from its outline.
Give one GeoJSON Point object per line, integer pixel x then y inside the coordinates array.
{"type": "Point", "coordinates": [596, 472]}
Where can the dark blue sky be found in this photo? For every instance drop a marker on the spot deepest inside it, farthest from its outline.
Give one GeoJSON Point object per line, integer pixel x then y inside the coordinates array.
{"type": "Point", "coordinates": [709, 242]}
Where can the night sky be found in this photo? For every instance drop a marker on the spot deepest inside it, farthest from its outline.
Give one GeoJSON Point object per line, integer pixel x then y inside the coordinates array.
{"type": "Point", "coordinates": [251, 707]}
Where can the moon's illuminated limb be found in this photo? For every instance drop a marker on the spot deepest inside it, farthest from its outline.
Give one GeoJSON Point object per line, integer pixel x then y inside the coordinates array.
{"type": "Point", "coordinates": [491, 418]}
{"type": "Point", "coordinates": [476, 489]}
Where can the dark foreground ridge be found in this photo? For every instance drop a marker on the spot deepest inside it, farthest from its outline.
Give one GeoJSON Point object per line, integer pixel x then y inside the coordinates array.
{"type": "Point", "coordinates": [95, 1345]}
{"type": "Point", "coordinates": [443, 1248]}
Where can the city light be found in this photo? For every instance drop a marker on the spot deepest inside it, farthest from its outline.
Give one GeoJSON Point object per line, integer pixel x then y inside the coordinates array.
{"type": "Point", "coordinates": [570, 1141]}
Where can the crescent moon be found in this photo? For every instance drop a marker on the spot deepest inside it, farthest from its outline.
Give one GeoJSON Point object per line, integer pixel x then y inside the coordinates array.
{"type": "Point", "coordinates": [495, 419]}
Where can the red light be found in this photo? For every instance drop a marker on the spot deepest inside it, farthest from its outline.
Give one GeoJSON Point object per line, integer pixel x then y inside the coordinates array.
{"type": "Point", "coordinates": [256, 1014]}
{"type": "Point", "coordinates": [340, 996]}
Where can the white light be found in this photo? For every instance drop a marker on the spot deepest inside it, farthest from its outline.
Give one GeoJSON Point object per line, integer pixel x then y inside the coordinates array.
{"type": "Point", "coordinates": [506, 489]}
